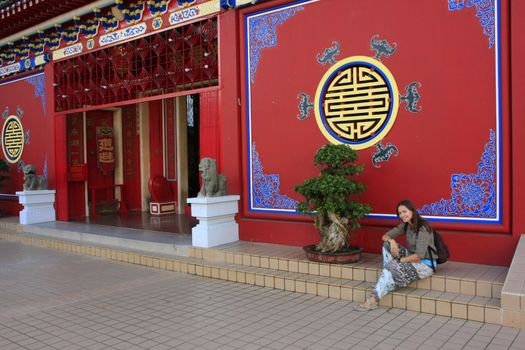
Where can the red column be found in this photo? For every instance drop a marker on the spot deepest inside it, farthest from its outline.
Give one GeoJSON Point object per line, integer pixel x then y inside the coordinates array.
{"type": "Point", "coordinates": [61, 184]}
{"type": "Point", "coordinates": [229, 107]}
{"type": "Point", "coordinates": [209, 144]}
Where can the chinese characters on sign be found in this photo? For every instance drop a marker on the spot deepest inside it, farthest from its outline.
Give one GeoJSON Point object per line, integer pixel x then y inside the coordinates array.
{"type": "Point", "coordinates": [105, 150]}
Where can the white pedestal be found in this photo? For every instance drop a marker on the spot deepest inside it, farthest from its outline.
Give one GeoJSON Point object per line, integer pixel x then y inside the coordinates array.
{"type": "Point", "coordinates": [216, 217]}
{"type": "Point", "coordinates": [39, 206]}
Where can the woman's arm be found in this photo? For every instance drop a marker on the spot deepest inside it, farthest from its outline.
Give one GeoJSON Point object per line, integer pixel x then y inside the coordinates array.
{"type": "Point", "coordinates": [389, 237]}
{"type": "Point", "coordinates": [409, 259]}
{"type": "Point", "coordinates": [394, 248]}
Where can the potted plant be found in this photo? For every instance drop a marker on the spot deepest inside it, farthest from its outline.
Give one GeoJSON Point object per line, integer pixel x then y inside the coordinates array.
{"type": "Point", "coordinates": [330, 198]}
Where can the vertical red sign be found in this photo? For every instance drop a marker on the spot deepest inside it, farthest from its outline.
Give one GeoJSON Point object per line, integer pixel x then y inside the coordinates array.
{"type": "Point", "coordinates": [105, 150]}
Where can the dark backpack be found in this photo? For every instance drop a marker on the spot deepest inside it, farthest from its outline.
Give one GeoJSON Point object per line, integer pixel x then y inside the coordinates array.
{"type": "Point", "coordinates": [441, 249]}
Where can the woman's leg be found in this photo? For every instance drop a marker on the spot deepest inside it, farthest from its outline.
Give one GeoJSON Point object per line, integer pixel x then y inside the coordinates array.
{"type": "Point", "coordinates": [395, 275]}
{"type": "Point", "coordinates": [386, 282]}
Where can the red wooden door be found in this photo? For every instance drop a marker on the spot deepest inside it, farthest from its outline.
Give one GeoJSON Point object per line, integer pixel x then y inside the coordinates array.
{"type": "Point", "coordinates": [101, 176]}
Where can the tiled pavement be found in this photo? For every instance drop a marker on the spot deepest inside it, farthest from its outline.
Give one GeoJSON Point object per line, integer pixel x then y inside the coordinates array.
{"type": "Point", "coordinates": [466, 291]}
{"type": "Point", "coordinates": [57, 300]}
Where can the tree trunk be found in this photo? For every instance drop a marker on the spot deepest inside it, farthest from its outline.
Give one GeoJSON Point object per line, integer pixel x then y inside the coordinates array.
{"type": "Point", "coordinates": [334, 233]}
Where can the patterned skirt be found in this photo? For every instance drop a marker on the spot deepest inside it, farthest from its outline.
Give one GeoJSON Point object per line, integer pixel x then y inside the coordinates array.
{"type": "Point", "coordinates": [396, 275]}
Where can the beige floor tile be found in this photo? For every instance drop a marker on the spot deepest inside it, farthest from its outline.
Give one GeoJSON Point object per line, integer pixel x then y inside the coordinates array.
{"type": "Point", "coordinates": [311, 288]}
{"type": "Point", "coordinates": [246, 260]}
{"type": "Point", "coordinates": [347, 293]}
{"type": "Point", "coordinates": [293, 266]}
{"type": "Point", "coordinates": [289, 284]}
{"type": "Point", "coordinates": [322, 289]}
{"type": "Point", "coordinates": [438, 283]}
{"type": "Point", "coordinates": [359, 295]}
{"type": "Point", "coordinates": [399, 301]}
{"type": "Point", "coordinates": [443, 308]}
{"type": "Point", "coordinates": [269, 281]}
{"type": "Point", "coordinates": [492, 315]}
{"type": "Point", "coordinates": [313, 268]}
{"type": "Point", "coordinates": [496, 290]}
{"type": "Point", "coordinates": [324, 270]}
{"type": "Point", "coordinates": [468, 287]}
{"type": "Point", "coordinates": [476, 313]}
{"type": "Point", "coordinates": [250, 278]}
{"type": "Point", "coordinates": [241, 277]}
{"type": "Point", "coordinates": [428, 306]}
{"type": "Point", "coordinates": [459, 310]}
{"type": "Point", "coordinates": [335, 271]}
{"type": "Point", "coordinates": [274, 263]}
{"type": "Point", "coordinates": [371, 275]}
{"type": "Point", "coordinates": [359, 274]}
{"type": "Point", "coordinates": [334, 292]}
{"type": "Point", "coordinates": [223, 273]}
{"type": "Point", "coordinates": [303, 267]}
{"type": "Point", "coordinates": [279, 283]}
{"type": "Point", "coordinates": [413, 303]}
{"type": "Point", "coordinates": [452, 285]}
{"type": "Point", "coordinates": [264, 262]}
{"type": "Point", "coordinates": [387, 301]}
{"type": "Point", "coordinates": [511, 318]}
{"type": "Point", "coordinates": [300, 286]}
{"type": "Point", "coordinates": [347, 272]}
{"type": "Point", "coordinates": [483, 289]}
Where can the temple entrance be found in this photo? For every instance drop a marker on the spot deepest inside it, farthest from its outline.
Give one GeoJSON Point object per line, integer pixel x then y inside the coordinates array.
{"type": "Point", "coordinates": [114, 153]}
{"type": "Point", "coordinates": [100, 144]}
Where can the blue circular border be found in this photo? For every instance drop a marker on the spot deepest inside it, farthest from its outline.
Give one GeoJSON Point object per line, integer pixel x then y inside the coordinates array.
{"type": "Point", "coordinates": [6, 154]}
{"type": "Point", "coordinates": [330, 78]}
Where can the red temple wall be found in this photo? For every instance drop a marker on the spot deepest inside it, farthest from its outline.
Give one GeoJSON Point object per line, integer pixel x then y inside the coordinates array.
{"type": "Point", "coordinates": [25, 98]}
{"type": "Point", "coordinates": [469, 91]}
{"type": "Point", "coordinates": [461, 107]}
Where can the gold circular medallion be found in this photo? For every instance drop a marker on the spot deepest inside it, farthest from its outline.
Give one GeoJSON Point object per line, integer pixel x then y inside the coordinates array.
{"type": "Point", "coordinates": [356, 102]}
{"type": "Point", "coordinates": [13, 139]}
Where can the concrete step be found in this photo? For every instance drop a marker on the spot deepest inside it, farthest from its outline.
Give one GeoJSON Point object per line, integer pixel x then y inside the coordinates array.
{"type": "Point", "coordinates": [124, 238]}
{"type": "Point", "coordinates": [451, 277]}
{"type": "Point", "coordinates": [280, 274]}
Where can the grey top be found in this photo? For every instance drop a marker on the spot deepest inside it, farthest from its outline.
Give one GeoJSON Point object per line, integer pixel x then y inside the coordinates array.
{"type": "Point", "coordinates": [417, 243]}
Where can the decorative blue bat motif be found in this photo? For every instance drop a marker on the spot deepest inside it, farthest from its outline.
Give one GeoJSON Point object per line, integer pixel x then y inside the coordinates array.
{"type": "Point", "coordinates": [5, 113]}
{"type": "Point", "coordinates": [329, 54]}
{"type": "Point", "coordinates": [412, 97]}
{"type": "Point", "coordinates": [27, 137]}
{"type": "Point", "coordinates": [382, 47]}
{"type": "Point", "coordinates": [383, 153]}
{"type": "Point", "coordinates": [19, 112]}
{"type": "Point", "coordinates": [20, 166]}
{"type": "Point", "coordinates": [304, 106]}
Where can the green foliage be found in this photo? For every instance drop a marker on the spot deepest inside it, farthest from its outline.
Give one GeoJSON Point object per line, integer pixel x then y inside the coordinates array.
{"type": "Point", "coordinates": [333, 190]}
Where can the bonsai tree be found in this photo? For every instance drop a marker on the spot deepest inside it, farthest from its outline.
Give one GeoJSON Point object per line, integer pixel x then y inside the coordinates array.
{"type": "Point", "coordinates": [330, 197]}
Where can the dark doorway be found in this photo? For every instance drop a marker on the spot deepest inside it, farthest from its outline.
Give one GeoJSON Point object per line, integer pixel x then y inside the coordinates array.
{"type": "Point", "coordinates": [192, 118]}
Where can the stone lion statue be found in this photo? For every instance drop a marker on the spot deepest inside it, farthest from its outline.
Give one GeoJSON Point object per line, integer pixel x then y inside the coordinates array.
{"type": "Point", "coordinates": [31, 180]}
{"type": "Point", "coordinates": [213, 183]}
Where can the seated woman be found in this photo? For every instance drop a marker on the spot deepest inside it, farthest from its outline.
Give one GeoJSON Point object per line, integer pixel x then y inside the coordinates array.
{"type": "Point", "coordinates": [402, 266]}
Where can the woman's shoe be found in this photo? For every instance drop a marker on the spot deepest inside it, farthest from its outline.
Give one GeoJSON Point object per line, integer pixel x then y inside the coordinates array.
{"type": "Point", "coordinates": [367, 305]}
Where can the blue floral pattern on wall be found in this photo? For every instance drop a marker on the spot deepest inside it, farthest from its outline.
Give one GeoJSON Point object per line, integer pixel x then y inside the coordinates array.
{"type": "Point", "coordinates": [484, 11]}
{"type": "Point", "coordinates": [262, 34]}
{"type": "Point", "coordinates": [472, 195]}
{"type": "Point", "coordinates": [266, 191]}
{"type": "Point", "coordinates": [40, 89]}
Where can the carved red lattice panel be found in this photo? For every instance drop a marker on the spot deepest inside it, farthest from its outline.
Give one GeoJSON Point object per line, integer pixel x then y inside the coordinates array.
{"type": "Point", "coordinates": [180, 59]}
